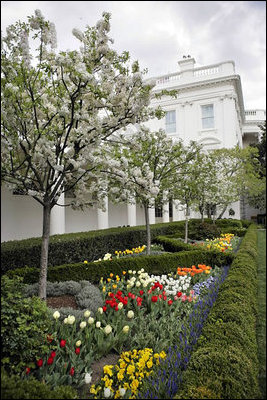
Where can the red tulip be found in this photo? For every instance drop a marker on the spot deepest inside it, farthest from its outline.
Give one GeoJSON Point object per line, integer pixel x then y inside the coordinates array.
{"type": "Point", "coordinates": [50, 360]}
{"type": "Point", "coordinates": [77, 350]}
{"type": "Point", "coordinates": [154, 299]}
{"type": "Point", "coordinates": [27, 370]}
{"type": "Point", "coordinates": [105, 308]}
{"type": "Point", "coordinates": [53, 354]}
{"type": "Point", "coordinates": [170, 302]}
{"type": "Point", "coordinates": [62, 343]}
{"type": "Point", "coordinates": [72, 371]}
{"type": "Point", "coordinates": [39, 362]}
{"type": "Point", "coordinates": [179, 294]}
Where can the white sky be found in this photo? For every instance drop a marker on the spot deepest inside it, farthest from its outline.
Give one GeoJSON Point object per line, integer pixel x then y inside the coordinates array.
{"type": "Point", "coordinates": [159, 33]}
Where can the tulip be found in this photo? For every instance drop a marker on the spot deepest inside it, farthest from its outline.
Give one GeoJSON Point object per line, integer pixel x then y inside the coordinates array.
{"type": "Point", "coordinates": [87, 314]}
{"type": "Point", "coordinates": [88, 378]}
{"type": "Point", "coordinates": [56, 315]}
{"type": "Point", "coordinates": [82, 324]}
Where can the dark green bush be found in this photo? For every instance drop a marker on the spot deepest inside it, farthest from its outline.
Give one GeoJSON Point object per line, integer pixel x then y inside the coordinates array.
{"type": "Point", "coordinates": [204, 230]}
{"type": "Point", "coordinates": [161, 264]}
{"type": "Point", "coordinates": [225, 362]}
{"type": "Point", "coordinates": [225, 371]}
{"type": "Point", "coordinates": [25, 323]}
{"type": "Point", "coordinates": [236, 231]}
{"type": "Point", "coordinates": [174, 245]}
{"type": "Point", "coordinates": [80, 246]}
{"type": "Point", "coordinates": [13, 387]}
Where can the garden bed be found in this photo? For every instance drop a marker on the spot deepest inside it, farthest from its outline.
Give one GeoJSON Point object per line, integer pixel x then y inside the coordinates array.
{"type": "Point", "coordinates": [122, 337]}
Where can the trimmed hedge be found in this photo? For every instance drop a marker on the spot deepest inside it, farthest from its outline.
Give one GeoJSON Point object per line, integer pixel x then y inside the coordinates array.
{"type": "Point", "coordinates": [12, 387]}
{"type": "Point", "coordinates": [175, 245]}
{"type": "Point", "coordinates": [225, 363]}
{"type": "Point", "coordinates": [160, 264]}
{"type": "Point", "coordinates": [77, 247]}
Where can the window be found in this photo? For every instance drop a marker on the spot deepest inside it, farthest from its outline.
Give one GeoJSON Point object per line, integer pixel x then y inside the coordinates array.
{"type": "Point", "coordinates": [170, 122]}
{"type": "Point", "coordinates": [158, 211]}
{"type": "Point", "coordinates": [207, 116]}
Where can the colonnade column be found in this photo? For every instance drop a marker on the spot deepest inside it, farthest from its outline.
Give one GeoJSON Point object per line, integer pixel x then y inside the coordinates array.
{"type": "Point", "coordinates": [165, 208]}
{"type": "Point", "coordinates": [151, 213]}
{"type": "Point", "coordinates": [131, 214]}
{"type": "Point", "coordinates": [102, 216]}
{"type": "Point", "coordinates": [57, 217]}
{"type": "Point", "coordinates": [177, 214]}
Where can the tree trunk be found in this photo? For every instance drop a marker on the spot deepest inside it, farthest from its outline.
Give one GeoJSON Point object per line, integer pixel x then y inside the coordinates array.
{"type": "Point", "coordinates": [44, 251]}
{"type": "Point", "coordinates": [148, 234]}
{"type": "Point", "coordinates": [209, 211]}
{"type": "Point", "coordinates": [201, 210]}
{"type": "Point", "coordinates": [223, 211]}
{"type": "Point", "coordinates": [186, 224]}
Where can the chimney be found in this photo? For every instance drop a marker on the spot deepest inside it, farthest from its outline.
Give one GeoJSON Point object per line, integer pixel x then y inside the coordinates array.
{"type": "Point", "coordinates": [186, 63]}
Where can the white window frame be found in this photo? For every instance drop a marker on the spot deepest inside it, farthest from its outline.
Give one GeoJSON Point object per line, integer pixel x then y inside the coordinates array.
{"type": "Point", "coordinates": [204, 128]}
{"type": "Point", "coordinates": [170, 127]}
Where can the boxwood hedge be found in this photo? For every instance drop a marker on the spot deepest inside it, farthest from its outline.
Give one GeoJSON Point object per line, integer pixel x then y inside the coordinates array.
{"type": "Point", "coordinates": [77, 247]}
{"type": "Point", "coordinates": [92, 271]}
{"type": "Point", "coordinates": [225, 363]}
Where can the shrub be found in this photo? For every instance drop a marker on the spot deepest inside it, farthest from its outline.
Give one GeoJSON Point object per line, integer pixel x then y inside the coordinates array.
{"type": "Point", "coordinates": [204, 231]}
{"type": "Point", "coordinates": [25, 324]}
{"type": "Point", "coordinates": [76, 247]}
{"type": "Point", "coordinates": [162, 264]}
{"type": "Point", "coordinates": [12, 387]}
{"type": "Point", "coordinates": [174, 245]}
{"type": "Point", "coordinates": [225, 361]}
{"type": "Point", "coordinates": [87, 296]}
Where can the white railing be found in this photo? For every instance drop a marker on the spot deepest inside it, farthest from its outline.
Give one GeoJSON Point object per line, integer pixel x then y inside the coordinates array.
{"type": "Point", "coordinates": [251, 112]}
{"type": "Point", "coordinates": [206, 71]}
{"type": "Point", "coordinates": [196, 74]}
{"type": "Point", "coordinates": [168, 78]}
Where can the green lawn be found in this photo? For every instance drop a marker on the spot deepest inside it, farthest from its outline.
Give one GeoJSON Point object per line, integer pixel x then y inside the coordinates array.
{"type": "Point", "coordinates": [261, 324]}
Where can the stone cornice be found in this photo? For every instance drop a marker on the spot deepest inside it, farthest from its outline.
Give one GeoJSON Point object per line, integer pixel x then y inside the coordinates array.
{"type": "Point", "coordinates": [209, 83]}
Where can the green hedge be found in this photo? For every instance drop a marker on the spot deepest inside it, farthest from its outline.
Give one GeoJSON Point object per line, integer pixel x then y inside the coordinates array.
{"type": "Point", "coordinates": [77, 247]}
{"type": "Point", "coordinates": [175, 245]}
{"type": "Point", "coordinates": [159, 264]}
{"type": "Point", "coordinates": [13, 387]}
{"type": "Point", "coordinates": [225, 363]}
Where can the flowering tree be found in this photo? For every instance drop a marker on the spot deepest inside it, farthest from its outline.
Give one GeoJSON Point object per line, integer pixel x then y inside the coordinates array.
{"type": "Point", "coordinates": [185, 185]}
{"type": "Point", "coordinates": [57, 110]}
{"type": "Point", "coordinates": [144, 167]}
{"type": "Point", "coordinates": [225, 175]}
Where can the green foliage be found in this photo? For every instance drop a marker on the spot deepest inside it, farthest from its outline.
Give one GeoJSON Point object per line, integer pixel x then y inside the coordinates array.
{"type": "Point", "coordinates": [77, 247]}
{"type": "Point", "coordinates": [225, 362]}
{"type": "Point", "coordinates": [87, 296]}
{"type": "Point", "coordinates": [174, 245]}
{"type": "Point", "coordinates": [204, 230]}
{"type": "Point", "coordinates": [25, 324]}
{"type": "Point", "coordinates": [161, 264]}
{"type": "Point", "coordinates": [12, 387]}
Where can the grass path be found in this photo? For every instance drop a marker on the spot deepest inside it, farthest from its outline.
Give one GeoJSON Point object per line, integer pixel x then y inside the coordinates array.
{"type": "Point", "coordinates": [261, 324]}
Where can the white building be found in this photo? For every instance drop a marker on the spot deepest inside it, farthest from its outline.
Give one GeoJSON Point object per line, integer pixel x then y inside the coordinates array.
{"type": "Point", "coordinates": [209, 109]}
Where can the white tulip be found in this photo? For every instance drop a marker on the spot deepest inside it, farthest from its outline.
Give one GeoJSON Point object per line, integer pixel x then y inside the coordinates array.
{"type": "Point", "coordinates": [130, 314]}
{"type": "Point", "coordinates": [88, 378]}
{"type": "Point", "coordinates": [126, 329]}
{"type": "Point", "coordinates": [98, 324]}
{"type": "Point", "coordinates": [87, 314]}
{"type": "Point", "coordinates": [91, 320]}
{"type": "Point", "coordinates": [108, 329]}
{"type": "Point", "coordinates": [71, 319]}
{"type": "Point", "coordinates": [82, 324]}
{"type": "Point", "coordinates": [56, 315]}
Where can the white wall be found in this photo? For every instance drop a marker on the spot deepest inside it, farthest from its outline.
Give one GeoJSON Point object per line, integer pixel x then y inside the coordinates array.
{"type": "Point", "coordinates": [21, 216]}
{"type": "Point", "coordinates": [117, 215]}
{"type": "Point", "coordinates": [80, 221]}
